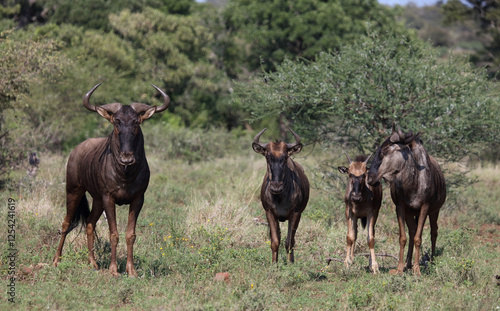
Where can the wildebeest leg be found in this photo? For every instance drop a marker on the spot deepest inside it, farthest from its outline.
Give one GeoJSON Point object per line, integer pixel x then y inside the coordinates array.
{"type": "Point", "coordinates": [402, 237]}
{"type": "Point", "coordinates": [91, 221]}
{"type": "Point", "coordinates": [134, 210]}
{"type": "Point", "coordinates": [274, 232]}
{"type": "Point", "coordinates": [72, 202]}
{"type": "Point", "coordinates": [418, 238]}
{"type": "Point", "coordinates": [110, 210]}
{"type": "Point", "coordinates": [434, 232]}
{"type": "Point", "coordinates": [293, 224]}
{"type": "Point", "coordinates": [352, 228]}
{"type": "Point", "coordinates": [411, 222]}
{"type": "Point", "coordinates": [372, 220]}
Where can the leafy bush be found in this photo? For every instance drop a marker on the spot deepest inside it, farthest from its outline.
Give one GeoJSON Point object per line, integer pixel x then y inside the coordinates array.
{"type": "Point", "coordinates": [354, 96]}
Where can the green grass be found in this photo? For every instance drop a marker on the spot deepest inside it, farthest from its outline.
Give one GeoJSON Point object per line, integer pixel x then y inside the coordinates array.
{"type": "Point", "coordinates": [198, 220]}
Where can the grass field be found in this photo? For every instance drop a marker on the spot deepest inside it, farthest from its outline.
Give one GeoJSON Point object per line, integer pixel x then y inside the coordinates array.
{"type": "Point", "coordinates": [203, 218]}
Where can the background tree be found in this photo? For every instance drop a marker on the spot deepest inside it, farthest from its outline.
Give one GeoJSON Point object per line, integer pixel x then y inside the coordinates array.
{"type": "Point", "coordinates": [486, 14]}
{"type": "Point", "coordinates": [24, 64]}
{"type": "Point", "coordinates": [275, 30]}
{"type": "Point", "coordinates": [353, 97]}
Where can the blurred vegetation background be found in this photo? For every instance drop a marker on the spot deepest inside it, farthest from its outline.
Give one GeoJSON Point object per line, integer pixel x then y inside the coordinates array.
{"type": "Point", "coordinates": [338, 72]}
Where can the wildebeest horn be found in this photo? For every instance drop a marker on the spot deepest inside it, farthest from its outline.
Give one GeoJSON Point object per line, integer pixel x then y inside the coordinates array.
{"type": "Point", "coordinates": [297, 138]}
{"type": "Point", "coordinates": [348, 159]}
{"type": "Point", "coordinates": [166, 99]}
{"type": "Point", "coordinates": [368, 159]}
{"type": "Point", "coordinates": [257, 137]}
{"type": "Point", "coordinates": [86, 99]}
{"type": "Point", "coordinates": [140, 107]}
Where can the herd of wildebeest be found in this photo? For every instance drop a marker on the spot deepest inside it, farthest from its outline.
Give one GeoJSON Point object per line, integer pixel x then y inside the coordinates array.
{"type": "Point", "coordinates": [114, 170]}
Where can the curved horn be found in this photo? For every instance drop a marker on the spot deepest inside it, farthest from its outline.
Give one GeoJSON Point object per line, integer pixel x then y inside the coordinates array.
{"type": "Point", "coordinates": [257, 137]}
{"type": "Point", "coordinates": [86, 99]}
{"type": "Point", "coordinates": [297, 138]}
{"type": "Point", "coordinates": [348, 159]}
{"type": "Point", "coordinates": [368, 159]}
{"type": "Point", "coordinates": [166, 99]}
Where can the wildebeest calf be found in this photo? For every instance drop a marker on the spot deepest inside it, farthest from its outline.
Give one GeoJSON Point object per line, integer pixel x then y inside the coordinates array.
{"type": "Point", "coordinates": [361, 201]}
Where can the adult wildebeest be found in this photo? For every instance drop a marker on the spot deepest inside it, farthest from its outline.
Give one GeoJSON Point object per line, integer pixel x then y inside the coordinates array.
{"type": "Point", "coordinates": [114, 170]}
{"type": "Point", "coordinates": [361, 201]}
{"type": "Point", "coordinates": [418, 189]}
{"type": "Point", "coordinates": [285, 190]}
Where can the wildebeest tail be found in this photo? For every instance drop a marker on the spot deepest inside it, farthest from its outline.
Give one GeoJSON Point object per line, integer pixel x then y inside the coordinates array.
{"type": "Point", "coordinates": [363, 221]}
{"type": "Point", "coordinates": [81, 214]}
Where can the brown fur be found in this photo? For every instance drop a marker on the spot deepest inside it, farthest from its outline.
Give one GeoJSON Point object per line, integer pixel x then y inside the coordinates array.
{"type": "Point", "coordinates": [362, 201]}
{"type": "Point", "coordinates": [113, 170]}
{"type": "Point", "coordinates": [284, 192]}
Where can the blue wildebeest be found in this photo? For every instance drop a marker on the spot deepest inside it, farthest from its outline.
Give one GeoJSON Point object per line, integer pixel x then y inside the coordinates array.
{"type": "Point", "coordinates": [418, 189]}
{"type": "Point", "coordinates": [114, 170]}
{"type": "Point", "coordinates": [285, 190]}
{"type": "Point", "coordinates": [361, 201]}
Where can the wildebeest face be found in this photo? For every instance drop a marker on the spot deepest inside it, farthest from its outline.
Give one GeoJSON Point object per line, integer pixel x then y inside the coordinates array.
{"type": "Point", "coordinates": [391, 156]}
{"type": "Point", "coordinates": [277, 154]}
{"type": "Point", "coordinates": [357, 175]}
{"type": "Point", "coordinates": [126, 120]}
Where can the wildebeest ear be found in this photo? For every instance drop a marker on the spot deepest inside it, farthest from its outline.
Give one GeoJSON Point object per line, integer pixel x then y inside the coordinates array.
{"type": "Point", "coordinates": [147, 114]}
{"type": "Point", "coordinates": [295, 148]}
{"type": "Point", "coordinates": [259, 148]}
{"type": "Point", "coordinates": [343, 169]}
{"type": "Point", "coordinates": [104, 113]}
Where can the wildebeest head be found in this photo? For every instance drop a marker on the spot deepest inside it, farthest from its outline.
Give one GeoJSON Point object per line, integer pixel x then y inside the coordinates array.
{"type": "Point", "coordinates": [126, 120]}
{"type": "Point", "coordinates": [277, 154]}
{"type": "Point", "coordinates": [391, 156]}
{"type": "Point", "coordinates": [357, 175]}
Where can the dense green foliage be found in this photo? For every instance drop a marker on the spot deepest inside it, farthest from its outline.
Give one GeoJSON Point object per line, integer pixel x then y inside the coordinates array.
{"type": "Point", "coordinates": [281, 29]}
{"type": "Point", "coordinates": [354, 96]}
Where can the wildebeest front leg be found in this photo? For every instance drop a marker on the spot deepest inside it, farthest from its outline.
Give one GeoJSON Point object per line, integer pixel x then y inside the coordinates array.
{"type": "Point", "coordinates": [293, 224]}
{"type": "Point", "coordinates": [372, 220]}
{"type": "Point", "coordinates": [109, 209]}
{"type": "Point", "coordinates": [418, 238]}
{"type": "Point", "coordinates": [134, 210]}
{"type": "Point", "coordinates": [275, 234]}
{"type": "Point", "coordinates": [91, 221]}
{"type": "Point", "coordinates": [72, 202]}
{"type": "Point", "coordinates": [402, 237]}
{"type": "Point", "coordinates": [352, 228]}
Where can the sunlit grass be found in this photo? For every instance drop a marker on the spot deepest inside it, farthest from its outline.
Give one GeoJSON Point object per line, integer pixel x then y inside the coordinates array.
{"type": "Point", "coordinates": [203, 218]}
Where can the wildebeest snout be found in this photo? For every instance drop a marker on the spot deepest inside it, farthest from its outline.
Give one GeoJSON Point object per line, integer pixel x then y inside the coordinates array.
{"type": "Point", "coordinates": [127, 158]}
{"type": "Point", "coordinates": [276, 187]}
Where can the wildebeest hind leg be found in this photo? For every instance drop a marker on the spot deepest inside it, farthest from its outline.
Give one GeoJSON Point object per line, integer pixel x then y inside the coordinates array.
{"type": "Point", "coordinates": [72, 204]}
{"type": "Point", "coordinates": [94, 216]}
{"type": "Point", "coordinates": [411, 223]}
{"type": "Point", "coordinates": [434, 232]}
{"type": "Point", "coordinates": [293, 224]}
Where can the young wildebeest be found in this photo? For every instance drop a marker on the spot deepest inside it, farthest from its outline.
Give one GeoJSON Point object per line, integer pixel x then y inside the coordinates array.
{"type": "Point", "coordinates": [361, 201]}
{"type": "Point", "coordinates": [285, 190]}
{"type": "Point", "coordinates": [418, 189]}
{"type": "Point", "coordinates": [113, 170]}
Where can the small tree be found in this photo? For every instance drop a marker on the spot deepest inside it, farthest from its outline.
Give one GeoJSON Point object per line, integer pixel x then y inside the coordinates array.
{"type": "Point", "coordinates": [352, 98]}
